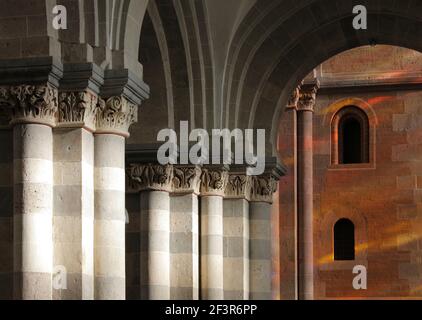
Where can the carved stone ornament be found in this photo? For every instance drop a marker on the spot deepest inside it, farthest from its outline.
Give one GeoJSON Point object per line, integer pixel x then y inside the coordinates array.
{"type": "Point", "coordinates": [30, 103]}
{"type": "Point", "coordinates": [78, 109]}
{"type": "Point", "coordinates": [307, 96]}
{"type": "Point", "coordinates": [238, 186]}
{"type": "Point", "coordinates": [214, 181]}
{"type": "Point", "coordinates": [149, 177]}
{"type": "Point", "coordinates": [263, 187]}
{"type": "Point", "coordinates": [187, 179]}
{"type": "Point", "coordinates": [116, 116]}
{"type": "Point", "coordinates": [294, 99]}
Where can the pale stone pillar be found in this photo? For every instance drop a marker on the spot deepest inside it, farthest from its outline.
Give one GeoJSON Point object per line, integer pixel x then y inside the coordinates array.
{"type": "Point", "coordinates": [6, 212]}
{"type": "Point", "coordinates": [236, 236]}
{"type": "Point", "coordinates": [73, 227]}
{"type": "Point", "coordinates": [113, 124]}
{"type": "Point", "coordinates": [213, 184]}
{"type": "Point", "coordinates": [154, 184]}
{"type": "Point", "coordinates": [305, 190]}
{"type": "Point", "coordinates": [32, 111]}
{"type": "Point", "coordinates": [260, 232]}
{"type": "Point", "coordinates": [184, 234]}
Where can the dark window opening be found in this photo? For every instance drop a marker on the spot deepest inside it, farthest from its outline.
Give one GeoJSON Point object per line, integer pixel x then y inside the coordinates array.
{"type": "Point", "coordinates": [353, 137]}
{"type": "Point", "coordinates": [344, 240]}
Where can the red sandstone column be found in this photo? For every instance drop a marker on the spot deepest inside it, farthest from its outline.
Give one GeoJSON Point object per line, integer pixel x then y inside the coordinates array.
{"type": "Point", "coordinates": [305, 190]}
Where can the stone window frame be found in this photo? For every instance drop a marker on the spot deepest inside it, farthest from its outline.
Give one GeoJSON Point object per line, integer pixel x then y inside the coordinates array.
{"type": "Point", "coordinates": [356, 107]}
{"type": "Point", "coordinates": [349, 241]}
{"type": "Point", "coordinates": [326, 236]}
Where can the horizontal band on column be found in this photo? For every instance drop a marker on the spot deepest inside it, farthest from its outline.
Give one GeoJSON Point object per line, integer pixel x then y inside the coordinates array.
{"type": "Point", "coordinates": [109, 288]}
{"type": "Point", "coordinates": [110, 233]}
{"type": "Point", "coordinates": [71, 173]}
{"type": "Point", "coordinates": [261, 249]}
{"type": "Point", "coordinates": [181, 242]}
{"type": "Point", "coordinates": [211, 245]}
{"type": "Point", "coordinates": [155, 292]}
{"type": "Point", "coordinates": [234, 247]}
{"type": "Point", "coordinates": [184, 293]}
{"type": "Point", "coordinates": [108, 178]}
{"type": "Point", "coordinates": [33, 198]}
{"type": "Point", "coordinates": [110, 205]}
{"type": "Point", "coordinates": [154, 241]}
{"type": "Point", "coordinates": [235, 295]}
{"type": "Point", "coordinates": [32, 285]}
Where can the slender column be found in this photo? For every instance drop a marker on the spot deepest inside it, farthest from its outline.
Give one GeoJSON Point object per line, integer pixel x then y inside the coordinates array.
{"type": "Point", "coordinates": [213, 185]}
{"type": "Point", "coordinates": [6, 213]}
{"type": "Point", "coordinates": [154, 184]}
{"type": "Point", "coordinates": [236, 236]}
{"type": "Point", "coordinates": [184, 234]}
{"type": "Point", "coordinates": [262, 190]}
{"type": "Point", "coordinates": [74, 196]}
{"type": "Point", "coordinates": [32, 111]}
{"type": "Point", "coordinates": [288, 202]}
{"type": "Point", "coordinates": [305, 190]}
{"type": "Point", "coordinates": [117, 114]}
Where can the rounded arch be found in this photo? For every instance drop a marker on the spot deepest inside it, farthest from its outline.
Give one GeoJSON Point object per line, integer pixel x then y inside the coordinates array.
{"type": "Point", "coordinates": [281, 49]}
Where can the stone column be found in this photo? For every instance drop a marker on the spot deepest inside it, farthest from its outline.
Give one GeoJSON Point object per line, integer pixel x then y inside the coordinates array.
{"type": "Point", "coordinates": [113, 122]}
{"type": "Point", "coordinates": [262, 190]}
{"type": "Point", "coordinates": [184, 233]}
{"type": "Point", "coordinates": [305, 190]}
{"type": "Point", "coordinates": [213, 184]}
{"type": "Point", "coordinates": [288, 201]}
{"type": "Point", "coordinates": [6, 210]}
{"type": "Point", "coordinates": [73, 229]}
{"type": "Point", "coordinates": [32, 110]}
{"type": "Point", "coordinates": [236, 235]}
{"type": "Point", "coordinates": [153, 181]}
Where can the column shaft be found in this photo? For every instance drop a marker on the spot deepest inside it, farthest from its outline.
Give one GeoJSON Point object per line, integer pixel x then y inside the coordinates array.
{"type": "Point", "coordinates": [33, 212]}
{"type": "Point", "coordinates": [305, 205]}
{"type": "Point", "coordinates": [236, 249]}
{"type": "Point", "coordinates": [184, 247]}
{"type": "Point", "coordinates": [6, 214]}
{"type": "Point", "coordinates": [74, 214]}
{"type": "Point", "coordinates": [212, 248]}
{"type": "Point", "coordinates": [260, 251]}
{"type": "Point", "coordinates": [155, 245]}
{"type": "Point", "coordinates": [110, 217]}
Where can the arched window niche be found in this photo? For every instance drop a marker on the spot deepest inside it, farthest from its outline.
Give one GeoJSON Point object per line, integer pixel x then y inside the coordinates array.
{"type": "Point", "coordinates": [353, 136]}
{"type": "Point", "coordinates": [344, 240]}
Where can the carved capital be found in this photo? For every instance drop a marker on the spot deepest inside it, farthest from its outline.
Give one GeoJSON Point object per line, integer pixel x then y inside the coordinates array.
{"type": "Point", "coordinates": [238, 186]}
{"type": "Point", "coordinates": [214, 181]}
{"type": "Point", "coordinates": [78, 109]}
{"type": "Point", "coordinates": [307, 96]}
{"type": "Point", "coordinates": [149, 177]}
{"type": "Point", "coordinates": [186, 179]}
{"type": "Point", "coordinates": [294, 99]}
{"type": "Point", "coordinates": [30, 103]}
{"type": "Point", "coordinates": [263, 187]}
{"type": "Point", "coordinates": [116, 116]}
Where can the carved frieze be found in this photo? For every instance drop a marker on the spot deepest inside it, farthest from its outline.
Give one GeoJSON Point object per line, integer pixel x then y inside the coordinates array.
{"type": "Point", "coordinates": [263, 187]}
{"type": "Point", "coordinates": [238, 186]}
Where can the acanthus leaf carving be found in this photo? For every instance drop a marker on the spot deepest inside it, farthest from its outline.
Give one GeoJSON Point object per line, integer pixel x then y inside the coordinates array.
{"type": "Point", "coordinates": [238, 186]}
{"type": "Point", "coordinates": [307, 96]}
{"type": "Point", "coordinates": [117, 115]}
{"type": "Point", "coordinates": [186, 179]}
{"type": "Point", "coordinates": [78, 108]}
{"type": "Point", "coordinates": [214, 181]}
{"type": "Point", "coordinates": [30, 103]}
{"type": "Point", "coordinates": [154, 177]}
{"type": "Point", "coordinates": [263, 187]}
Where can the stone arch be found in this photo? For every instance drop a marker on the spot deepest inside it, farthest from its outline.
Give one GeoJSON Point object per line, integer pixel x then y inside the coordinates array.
{"type": "Point", "coordinates": [304, 36]}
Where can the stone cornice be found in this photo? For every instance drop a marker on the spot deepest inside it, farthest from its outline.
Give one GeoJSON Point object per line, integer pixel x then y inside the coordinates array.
{"type": "Point", "coordinates": [307, 96]}
{"type": "Point", "coordinates": [214, 180]}
{"type": "Point", "coordinates": [149, 177]}
{"type": "Point", "coordinates": [186, 179]}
